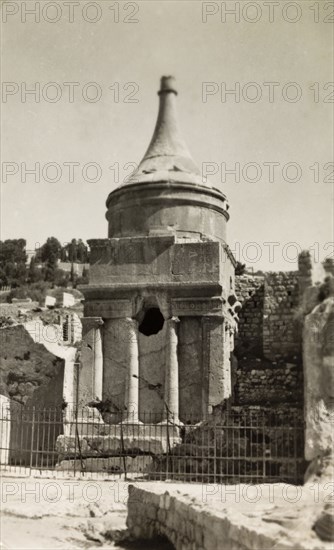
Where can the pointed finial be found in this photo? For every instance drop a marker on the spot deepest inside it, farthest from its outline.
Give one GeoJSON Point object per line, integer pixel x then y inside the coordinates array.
{"type": "Point", "coordinates": [167, 157]}
{"type": "Point", "coordinates": [167, 85]}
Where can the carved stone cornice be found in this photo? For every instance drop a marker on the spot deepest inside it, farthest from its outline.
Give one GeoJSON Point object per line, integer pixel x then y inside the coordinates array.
{"type": "Point", "coordinates": [197, 306]}
{"type": "Point", "coordinates": [109, 309]}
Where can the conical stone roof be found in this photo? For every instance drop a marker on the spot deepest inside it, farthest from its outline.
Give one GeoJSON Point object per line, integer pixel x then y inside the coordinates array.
{"type": "Point", "coordinates": [167, 158]}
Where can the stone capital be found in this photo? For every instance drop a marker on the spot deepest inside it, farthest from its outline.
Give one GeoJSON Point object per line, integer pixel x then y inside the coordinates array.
{"type": "Point", "coordinates": [88, 323]}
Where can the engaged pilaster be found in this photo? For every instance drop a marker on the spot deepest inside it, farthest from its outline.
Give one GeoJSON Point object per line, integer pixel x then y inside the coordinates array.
{"type": "Point", "coordinates": [216, 363]}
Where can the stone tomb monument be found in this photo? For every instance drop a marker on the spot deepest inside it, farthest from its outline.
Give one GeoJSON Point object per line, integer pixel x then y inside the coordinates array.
{"type": "Point", "coordinates": [160, 309]}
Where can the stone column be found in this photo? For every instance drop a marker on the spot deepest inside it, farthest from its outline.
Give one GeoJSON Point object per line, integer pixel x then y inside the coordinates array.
{"type": "Point", "coordinates": [98, 363]}
{"type": "Point", "coordinates": [69, 383]}
{"type": "Point", "coordinates": [132, 380]}
{"type": "Point", "coordinates": [172, 373]}
{"type": "Point", "coordinates": [91, 371]}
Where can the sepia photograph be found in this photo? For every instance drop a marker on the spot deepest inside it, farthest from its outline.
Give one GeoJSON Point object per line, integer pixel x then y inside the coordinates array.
{"type": "Point", "coordinates": [167, 275]}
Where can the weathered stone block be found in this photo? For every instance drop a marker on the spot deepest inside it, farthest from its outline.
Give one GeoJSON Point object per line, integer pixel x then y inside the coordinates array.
{"type": "Point", "coordinates": [319, 379]}
{"type": "Point", "coordinates": [136, 464]}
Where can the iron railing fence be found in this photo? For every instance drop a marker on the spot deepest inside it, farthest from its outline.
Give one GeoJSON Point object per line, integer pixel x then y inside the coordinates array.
{"type": "Point", "coordinates": [250, 446]}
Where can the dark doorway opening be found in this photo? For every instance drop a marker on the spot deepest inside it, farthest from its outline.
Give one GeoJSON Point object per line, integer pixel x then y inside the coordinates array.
{"type": "Point", "coordinates": [152, 323]}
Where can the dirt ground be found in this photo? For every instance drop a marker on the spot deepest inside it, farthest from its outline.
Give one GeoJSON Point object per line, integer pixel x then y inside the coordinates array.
{"type": "Point", "coordinates": [69, 514]}
{"type": "Point", "coordinates": [41, 514]}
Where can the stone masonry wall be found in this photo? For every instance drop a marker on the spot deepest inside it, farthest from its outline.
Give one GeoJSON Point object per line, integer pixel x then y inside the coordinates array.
{"type": "Point", "coordinates": [268, 367]}
{"type": "Point", "coordinates": [262, 382]}
{"type": "Point", "coordinates": [151, 515]}
{"type": "Point", "coordinates": [190, 519]}
{"type": "Point", "coordinates": [250, 292]}
{"type": "Point", "coordinates": [281, 332]}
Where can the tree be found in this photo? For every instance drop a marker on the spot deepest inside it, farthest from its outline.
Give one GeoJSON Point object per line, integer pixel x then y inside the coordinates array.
{"type": "Point", "coordinates": [13, 262]}
{"type": "Point", "coordinates": [13, 250]}
{"type": "Point", "coordinates": [72, 251]}
{"type": "Point", "coordinates": [63, 255]}
{"type": "Point", "coordinates": [73, 276]}
{"type": "Point", "coordinates": [50, 270]}
{"type": "Point", "coordinates": [21, 273]}
{"type": "Point", "coordinates": [77, 251]}
{"type": "Point", "coordinates": [3, 278]}
{"type": "Point", "coordinates": [50, 254]}
{"type": "Point", "coordinates": [51, 250]}
{"type": "Point", "coordinates": [82, 252]}
{"type": "Point", "coordinates": [34, 273]}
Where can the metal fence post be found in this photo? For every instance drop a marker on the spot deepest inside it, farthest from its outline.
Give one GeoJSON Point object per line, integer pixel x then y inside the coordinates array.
{"type": "Point", "coordinates": [77, 438]}
{"type": "Point", "coordinates": [32, 437]}
{"type": "Point", "coordinates": [264, 473]}
{"type": "Point", "coordinates": [123, 449]}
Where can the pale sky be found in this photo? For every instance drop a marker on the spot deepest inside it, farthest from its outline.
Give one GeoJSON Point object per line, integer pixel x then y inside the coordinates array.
{"type": "Point", "coordinates": [171, 38]}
